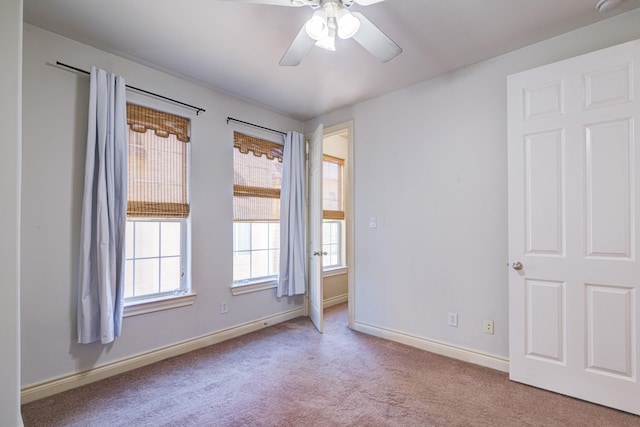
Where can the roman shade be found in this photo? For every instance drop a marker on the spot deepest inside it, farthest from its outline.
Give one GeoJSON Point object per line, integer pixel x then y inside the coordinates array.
{"type": "Point", "coordinates": [332, 185]}
{"type": "Point", "coordinates": [158, 159]}
{"type": "Point", "coordinates": [257, 179]}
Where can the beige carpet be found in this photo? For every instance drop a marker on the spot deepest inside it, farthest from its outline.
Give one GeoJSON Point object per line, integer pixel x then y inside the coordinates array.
{"type": "Point", "coordinates": [289, 375]}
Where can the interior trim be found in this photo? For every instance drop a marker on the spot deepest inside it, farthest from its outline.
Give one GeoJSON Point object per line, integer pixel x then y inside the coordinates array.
{"type": "Point", "coordinates": [149, 306]}
{"type": "Point", "coordinates": [253, 287]}
{"type": "Point", "coordinates": [335, 271]}
{"type": "Point", "coordinates": [329, 302]}
{"type": "Point", "coordinates": [68, 382]}
{"type": "Point", "coordinates": [459, 353]}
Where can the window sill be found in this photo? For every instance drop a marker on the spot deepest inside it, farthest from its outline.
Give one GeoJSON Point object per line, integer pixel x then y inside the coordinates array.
{"type": "Point", "coordinates": [150, 306]}
{"type": "Point", "coordinates": [336, 271]}
{"type": "Point", "coordinates": [253, 287]}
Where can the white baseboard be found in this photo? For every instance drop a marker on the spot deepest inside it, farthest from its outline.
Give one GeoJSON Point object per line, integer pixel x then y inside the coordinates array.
{"type": "Point", "coordinates": [460, 353]}
{"type": "Point", "coordinates": [329, 302]}
{"type": "Point", "coordinates": [67, 382]}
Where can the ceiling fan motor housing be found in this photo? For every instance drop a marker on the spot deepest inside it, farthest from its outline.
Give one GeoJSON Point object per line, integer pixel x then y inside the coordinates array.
{"type": "Point", "coordinates": [314, 4]}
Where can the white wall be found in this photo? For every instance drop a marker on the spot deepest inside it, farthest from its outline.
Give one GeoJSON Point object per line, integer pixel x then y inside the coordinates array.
{"type": "Point", "coordinates": [431, 165]}
{"type": "Point", "coordinates": [10, 143]}
{"type": "Point", "coordinates": [55, 102]}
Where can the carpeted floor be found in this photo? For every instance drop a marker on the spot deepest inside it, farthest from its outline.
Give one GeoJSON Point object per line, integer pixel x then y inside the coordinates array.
{"type": "Point", "coordinates": [290, 375]}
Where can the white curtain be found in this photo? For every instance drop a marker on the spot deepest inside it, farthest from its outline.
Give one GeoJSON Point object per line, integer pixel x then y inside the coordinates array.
{"type": "Point", "coordinates": [101, 270]}
{"type": "Point", "coordinates": [292, 279]}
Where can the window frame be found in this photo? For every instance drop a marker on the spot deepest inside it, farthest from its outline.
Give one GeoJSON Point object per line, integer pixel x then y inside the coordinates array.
{"type": "Point", "coordinates": [184, 279]}
{"type": "Point", "coordinates": [340, 245]}
{"type": "Point", "coordinates": [339, 213]}
{"type": "Point", "coordinates": [261, 279]}
{"type": "Point", "coordinates": [337, 216]}
{"type": "Point", "coordinates": [185, 296]}
{"type": "Point", "coordinates": [252, 142]}
{"type": "Point", "coordinates": [157, 302]}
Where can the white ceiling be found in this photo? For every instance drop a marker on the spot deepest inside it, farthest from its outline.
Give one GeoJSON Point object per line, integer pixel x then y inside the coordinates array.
{"type": "Point", "coordinates": [235, 47]}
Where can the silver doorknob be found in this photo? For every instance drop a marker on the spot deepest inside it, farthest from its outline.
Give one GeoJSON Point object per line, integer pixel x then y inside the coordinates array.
{"type": "Point", "coordinates": [318, 253]}
{"type": "Point", "coordinates": [517, 265]}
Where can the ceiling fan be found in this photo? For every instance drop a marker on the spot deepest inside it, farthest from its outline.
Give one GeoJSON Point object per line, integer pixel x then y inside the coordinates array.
{"type": "Point", "coordinates": [331, 18]}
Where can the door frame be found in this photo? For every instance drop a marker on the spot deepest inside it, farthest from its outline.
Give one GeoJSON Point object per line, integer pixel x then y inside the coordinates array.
{"type": "Point", "coordinates": [341, 127]}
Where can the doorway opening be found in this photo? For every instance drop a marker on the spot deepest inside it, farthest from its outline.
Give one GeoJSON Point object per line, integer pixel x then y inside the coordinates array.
{"type": "Point", "coordinates": [337, 202]}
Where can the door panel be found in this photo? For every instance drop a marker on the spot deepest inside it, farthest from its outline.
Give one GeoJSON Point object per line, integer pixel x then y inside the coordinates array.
{"type": "Point", "coordinates": [573, 215]}
{"type": "Point", "coordinates": [610, 341]}
{"type": "Point", "coordinates": [545, 325]}
{"type": "Point", "coordinates": [609, 164]}
{"type": "Point", "coordinates": [544, 171]}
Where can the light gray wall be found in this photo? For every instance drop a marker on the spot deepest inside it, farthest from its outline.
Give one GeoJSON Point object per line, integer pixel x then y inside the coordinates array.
{"type": "Point", "coordinates": [10, 143]}
{"type": "Point", "coordinates": [431, 165]}
{"type": "Point", "coordinates": [55, 117]}
{"type": "Point", "coordinates": [334, 286]}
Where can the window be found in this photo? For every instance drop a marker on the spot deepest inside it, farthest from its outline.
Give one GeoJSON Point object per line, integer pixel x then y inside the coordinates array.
{"type": "Point", "coordinates": [333, 212]}
{"type": "Point", "coordinates": [257, 168]}
{"type": "Point", "coordinates": [332, 243]}
{"type": "Point", "coordinates": [157, 205]}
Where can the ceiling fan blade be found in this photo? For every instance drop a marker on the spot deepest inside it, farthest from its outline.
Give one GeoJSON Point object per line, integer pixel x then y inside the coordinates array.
{"type": "Point", "coordinates": [367, 2]}
{"type": "Point", "coordinates": [374, 40]}
{"type": "Point", "coordinates": [299, 47]}
{"type": "Point", "coordinates": [294, 3]}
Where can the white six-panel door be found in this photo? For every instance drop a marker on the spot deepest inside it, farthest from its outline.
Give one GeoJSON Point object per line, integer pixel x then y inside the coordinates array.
{"type": "Point", "coordinates": [574, 178]}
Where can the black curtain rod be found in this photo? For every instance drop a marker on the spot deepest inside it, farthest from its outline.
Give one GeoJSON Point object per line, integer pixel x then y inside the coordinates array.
{"type": "Point", "coordinates": [137, 89]}
{"type": "Point", "coordinates": [231, 119]}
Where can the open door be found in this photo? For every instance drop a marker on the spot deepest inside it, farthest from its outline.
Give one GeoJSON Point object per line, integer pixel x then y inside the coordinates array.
{"type": "Point", "coordinates": [315, 229]}
{"type": "Point", "coordinates": [574, 210]}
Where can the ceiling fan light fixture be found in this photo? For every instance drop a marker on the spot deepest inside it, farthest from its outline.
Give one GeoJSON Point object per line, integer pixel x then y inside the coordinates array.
{"type": "Point", "coordinates": [607, 5]}
{"type": "Point", "coordinates": [329, 42]}
{"type": "Point", "coordinates": [317, 27]}
{"type": "Point", "coordinates": [348, 24]}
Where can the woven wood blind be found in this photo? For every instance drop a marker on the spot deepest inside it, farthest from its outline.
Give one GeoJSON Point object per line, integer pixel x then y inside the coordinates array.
{"type": "Point", "coordinates": [332, 188]}
{"type": "Point", "coordinates": [257, 179]}
{"type": "Point", "coordinates": [158, 163]}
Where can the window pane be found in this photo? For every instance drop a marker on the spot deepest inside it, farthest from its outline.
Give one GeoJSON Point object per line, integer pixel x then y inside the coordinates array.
{"type": "Point", "coordinates": [331, 186]}
{"type": "Point", "coordinates": [274, 262]}
{"type": "Point", "coordinates": [332, 243]}
{"type": "Point", "coordinates": [170, 239]}
{"type": "Point", "coordinates": [146, 276]}
{"type": "Point", "coordinates": [241, 236]}
{"type": "Point", "coordinates": [169, 274]}
{"type": "Point", "coordinates": [334, 253]}
{"type": "Point", "coordinates": [241, 266]}
{"type": "Point", "coordinates": [147, 239]}
{"type": "Point", "coordinates": [274, 235]}
{"type": "Point", "coordinates": [335, 232]}
{"type": "Point", "coordinates": [259, 258]}
{"type": "Point", "coordinates": [259, 235]}
{"type": "Point", "coordinates": [128, 279]}
{"type": "Point", "coordinates": [128, 245]}
{"type": "Point", "coordinates": [326, 232]}
{"type": "Point", "coordinates": [260, 264]}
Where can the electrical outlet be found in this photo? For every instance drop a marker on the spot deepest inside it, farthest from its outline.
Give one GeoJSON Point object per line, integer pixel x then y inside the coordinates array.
{"type": "Point", "coordinates": [223, 308]}
{"type": "Point", "coordinates": [488, 327]}
{"type": "Point", "coordinates": [452, 319]}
